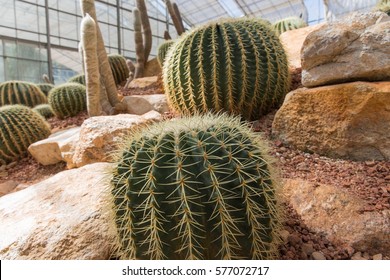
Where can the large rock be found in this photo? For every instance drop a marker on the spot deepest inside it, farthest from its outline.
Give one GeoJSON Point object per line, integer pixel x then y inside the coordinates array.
{"type": "Point", "coordinates": [64, 217]}
{"type": "Point", "coordinates": [330, 211]}
{"type": "Point", "coordinates": [143, 82]}
{"type": "Point", "coordinates": [141, 104]}
{"type": "Point", "coordinates": [292, 41]}
{"type": "Point", "coordinates": [50, 150]}
{"type": "Point", "coordinates": [350, 121]}
{"type": "Point", "coordinates": [353, 49]}
{"type": "Point", "coordinates": [100, 136]}
{"type": "Point", "coordinates": [8, 187]}
{"type": "Point", "coordinates": [152, 68]}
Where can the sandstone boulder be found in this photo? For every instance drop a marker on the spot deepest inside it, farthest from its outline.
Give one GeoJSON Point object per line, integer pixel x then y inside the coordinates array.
{"type": "Point", "coordinates": [63, 217]}
{"type": "Point", "coordinates": [292, 42]}
{"type": "Point", "coordinates": [350, 121]}
{"type": "Point", "coordinates": [152, 68]}
{"type": "Point", "coordinates": [338, 215]}
{"type": "Point", "coordinates": [100, 136]}
{"type": "Point", "coordinates": [49, 151]}
{"type": "Point", "coordinates": [141, 104]}
{"type": "Point", "coordinates": [143, 82]}
{"type": "Point", "coordinates": [356, 48]}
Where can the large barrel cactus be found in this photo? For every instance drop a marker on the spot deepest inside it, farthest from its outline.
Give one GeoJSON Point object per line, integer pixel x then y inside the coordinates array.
{"type": "Point", "coordinates": [119, 68]}
{"type": "Point", "coordinates": [67, 100]}
{"type": "Point", "coordinates": [196, 188]}
{"type": "Point", "coordinates": [44, 110]}
{"type": "Point", "coordinates": [238, 66]}
{"type": "Point", "coordinates": [163, 50]}
{"type": "Point", "coordinates": [19, 128]}
{"type": "Point", "coordinates": [287, 24]}
{"type": "Point", "coordinates": [18, 92]}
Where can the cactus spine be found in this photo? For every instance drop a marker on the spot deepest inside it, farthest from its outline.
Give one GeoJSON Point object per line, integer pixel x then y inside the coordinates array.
{"type": "Point", "coordinates": [287, 24]}
{"type": "Point", "coordinates": [68, 100]}
{"type": "Point", "coordinates": [44, 110]}
{"type": "Point", "coordinates": [80, 79]}
{"type": "Point", "coordinates": [238, 66]}
{"type": "Point", "coordinates": [119, 67]}
{"type": "Point", "coordinates": [383, 6]}
{"type": "Point", "coordinates": [19, 128]}
{"type": "Point", "coordinates": [163, 50]}
{"type": "Point", "coordinates": [196, 188]}
{"type": "Point", "coordinates": [18, 92]}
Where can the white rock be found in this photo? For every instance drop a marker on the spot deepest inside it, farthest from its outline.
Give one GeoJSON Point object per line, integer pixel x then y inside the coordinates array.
{"type": "Point", "coordinates": [49, 151]}
{"type": "Point", "coordinates": [63, 217]}
{"type": "Point", "coordinates": [158, 102]}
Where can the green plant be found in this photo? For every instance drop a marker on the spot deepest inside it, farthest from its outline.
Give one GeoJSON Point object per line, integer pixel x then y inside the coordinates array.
{"type": "Point", "coordinates": [45, 88]}
{"type": "Point", "coordinates": [198, 187]}
{"type": "Point", "coordinates": [119, 67]}
{"type": "Point", "coordinates": [44, 110]}
{"type": "Point", "coordinates": [19, 128]}
{"type": "Point", "coordinates": [236, 65]}
{"type": "Point", "coordinates": [18, 92]}
{"type": "Point", "coordinates": [68, 99]}
{"type": "Point", "coordinates": [383, 6]}
{"type": "Point", "coordinates": [163, 50]}
{"type": "Point", "coordinates": [287, 24]}
{"type": "Point", "coordinates": [80, 79]}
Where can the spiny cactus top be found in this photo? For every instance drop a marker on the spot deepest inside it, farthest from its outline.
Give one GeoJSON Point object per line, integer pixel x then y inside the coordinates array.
{"type": "Point", "coordinates": [289, 23]}
{"type": "Point", "coordinates": [236, 65]}
{"type": "Point", "coordinates": [45, 88]}
{"type": "Point", "coordinates": [18, 92]}
{"type": "Point", "coordinates": [44, 110]}
{"type": "Point", "coordinates": [163, 50]}
{"type": "Point", "coordinates": [20, 126]}
{"type": "Point", "coordinates": [119, 68]}
{"type": "Point", "coordinates": [78, 79]}
{"type": "Point", "coordinates": [196, 188]}
{"type": "Point", "coordinates": [67, 100]}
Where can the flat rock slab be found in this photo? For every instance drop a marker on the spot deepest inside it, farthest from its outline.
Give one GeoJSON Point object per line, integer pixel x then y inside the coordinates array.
{"type": "Point", "coordinates": [63, 217]}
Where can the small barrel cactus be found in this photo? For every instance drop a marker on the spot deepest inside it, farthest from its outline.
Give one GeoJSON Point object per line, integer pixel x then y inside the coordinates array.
{"type": "Point", "coordinates": [199, 187]}
{"type": "Point", "coordinates": [163, 50]}
{"type": "Point", "coordinates": [18, 92]}
{"type": "Point", "coordinates": [67, 100]}
{"type": "Point", "coordinates": [45, 88]}
{"type": "Point", "coordinates": [80, 79]}
{"type": "Point", "coordinates": [289, 23]}
{"type": "Point", "coordinates": [20, 126]}
{"type": "Point", "coordinates": [119, 68]}
{"type": "Point", "coordinates": [238, 66]}
{"type": "Point", "coordinates": [44, 110]}
{"type": "Point", "coordinates": [383, 6]}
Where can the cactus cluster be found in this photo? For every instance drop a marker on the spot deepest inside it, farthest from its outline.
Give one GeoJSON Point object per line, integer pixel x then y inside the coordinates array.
{"type": "Point", "coordinates": [238, 66]}
{"type": "Point", "coordinates": [44, 110]}
{"type": "Point", "coordinates": [80, 79]}
{"type": "Point", "coordinates": [68, 100]}
{"type": "Point", "coordinates": [163, 50]}
{"type": "Point", "coordinates": [287, 24]}
{"type": "Point", "coordinates": [20, 126]}
{"type": "Point", "coordinates": [119, 68]}
{"type": "Point", "coordinates": [45, 88]}
{"type": "Point", "coordinates": [18, 92]}
{"type": "Point", "coordinates": [199, 187]}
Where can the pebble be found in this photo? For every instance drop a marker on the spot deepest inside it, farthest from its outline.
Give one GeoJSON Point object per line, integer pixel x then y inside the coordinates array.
{"type": "Point", "coordinates": [294, 239]}
{"type": "Point", "coordinates": [377, 257]}
{"type": "Point", "coordinates": [358, 256]}
{"type": "Point", "coordinates": [284, 234]}
{"type": "Point", "coordinates": [318, 256]}
{"type": "Point", "coordinates": [307, 248]}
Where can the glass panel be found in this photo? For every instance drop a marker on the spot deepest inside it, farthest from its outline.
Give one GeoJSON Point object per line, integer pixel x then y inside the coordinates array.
{"type": "Point", "coordinates": [7, 13]}
{"type": "Point", "coordinates": [26, 16]}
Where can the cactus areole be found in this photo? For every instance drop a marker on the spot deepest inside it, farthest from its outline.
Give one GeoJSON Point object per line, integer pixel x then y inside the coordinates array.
{"type": "Point", "coordinates": [195, 188]}
{"type": "Point", "coordinates": [238, 66]}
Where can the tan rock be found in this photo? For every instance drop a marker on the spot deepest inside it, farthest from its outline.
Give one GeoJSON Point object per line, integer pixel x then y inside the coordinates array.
{"type": "Point", "coordinates": [330, 211]}
{"type": "Point", "coordinates": [341, 121]}
{"type": "Point", "coordinates": [100, 136]}
{"type": "Point", "coordinates": [7, 187]}
{"type": "Point", "coordinates": [292, 41]}
{"type": "Point", "coordinates": [143, 82]}
{"type": "Point", "coordinates": [49, 151]}
{"type": "Point", "coordinates": [356, 48]}
{"type": "Point", "coordinates": [141, 104]}
{"type": "Point", "coordinates": [64, 217]}
{"type": "Point", "coordinates": [152, 68]}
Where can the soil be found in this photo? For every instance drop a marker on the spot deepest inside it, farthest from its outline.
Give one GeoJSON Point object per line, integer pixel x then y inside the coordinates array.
{"type": "Point", "coordinates": [368, 180]}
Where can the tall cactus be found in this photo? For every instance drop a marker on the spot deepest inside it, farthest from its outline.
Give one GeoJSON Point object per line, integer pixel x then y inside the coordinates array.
{"type": "Point", "coordinates": [68, 100]}
{"type": "Point", "coordinates": [238, 66]}
{"type": "Point", "coordinates": [199, 187]}
{"type": "Point", "coordinates": [119, 67]}
{"type": "Point", "coordinates": [163, 50]}
{"type": "Point", "coordinates": [18, 92]}
{"type": "Point", "coordinates": [19, 128]}
{"type": "Point", "coordinates": [287, 24]}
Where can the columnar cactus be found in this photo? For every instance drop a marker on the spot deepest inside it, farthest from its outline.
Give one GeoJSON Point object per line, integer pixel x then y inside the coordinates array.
{"type": "Point", "coordinates": [163, 50]}
{"type": "Point", "coordinates": [44, 110]}
{"type": "Point", "coordinates": [238, 66]}
{"type": "Point", "coordinates": [196, 188]}
{"type": "Point", "coordinates": [119, 67]}
{"type": "Point", "coordinates": [45, 88]}
{"type": "Point", "coordinates": [68, 99]}
{"type": "Point", "coordinates": [287, 24]}
{"type": "Point", "coordinates": [18, 92]}
{"type": "Point", "coordinates": [80, 79]}
{"type": "Point", "coordinates": [19, 128]}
